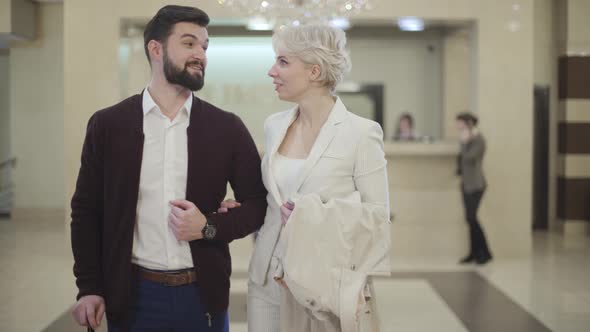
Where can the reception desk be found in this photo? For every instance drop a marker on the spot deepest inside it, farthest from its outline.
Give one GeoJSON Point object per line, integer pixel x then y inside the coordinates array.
{"type": "Point", "coordinates": [438, 148]}
{"type": "Point", "coordinates": [425, 201]}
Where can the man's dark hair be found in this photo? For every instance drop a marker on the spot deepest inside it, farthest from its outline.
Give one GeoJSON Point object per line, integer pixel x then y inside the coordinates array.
{"type": "Point", "coordinates": [469, 119]}
{"type": "Point", "coordinates": [160, 27]}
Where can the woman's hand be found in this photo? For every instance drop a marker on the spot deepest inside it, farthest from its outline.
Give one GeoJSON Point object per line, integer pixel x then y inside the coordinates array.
{"type": "Point", "coordinates": [286, 210]}
{"type": "Point", "coordinates": [228, 204]}
{"type": "Point", "coordinates": [281, 282]}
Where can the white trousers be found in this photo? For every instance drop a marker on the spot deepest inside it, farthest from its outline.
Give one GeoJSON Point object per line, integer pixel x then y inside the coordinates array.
{"type": "Point", "coordinates": [264, 303]}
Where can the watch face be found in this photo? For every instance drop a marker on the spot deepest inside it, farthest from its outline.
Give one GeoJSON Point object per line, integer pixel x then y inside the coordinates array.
{"type": "Point", "coordinates": [210, 232]}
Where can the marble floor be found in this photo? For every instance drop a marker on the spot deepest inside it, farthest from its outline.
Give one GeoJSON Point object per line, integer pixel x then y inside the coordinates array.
{"type": "Point", "coordinates": [548, 291]}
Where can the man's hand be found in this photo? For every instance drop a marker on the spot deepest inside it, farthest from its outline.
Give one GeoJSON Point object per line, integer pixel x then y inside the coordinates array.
{"type": "Point", "coordinates": [186, 220]}
{"type": "Point", "coordinates": [228, 204]}
{"type": "Point", "coordinates": [89, 310]}
{"type": "Point", "coordinates": [286, 210]}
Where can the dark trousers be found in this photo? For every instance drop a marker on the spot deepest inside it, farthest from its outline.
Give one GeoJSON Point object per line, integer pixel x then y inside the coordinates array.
{"type": "Point", "coordinates": [478, 244]}
{"type": "Point", "coordinates": [160, 308]}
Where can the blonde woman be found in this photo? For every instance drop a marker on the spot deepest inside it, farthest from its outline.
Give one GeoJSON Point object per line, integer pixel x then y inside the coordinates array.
{"type": "Point", "coordinates": [326, 229]}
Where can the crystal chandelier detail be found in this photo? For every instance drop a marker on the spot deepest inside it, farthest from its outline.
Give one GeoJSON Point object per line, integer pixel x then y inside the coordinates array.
{"type": "Point", "coordinates": [279, 12]}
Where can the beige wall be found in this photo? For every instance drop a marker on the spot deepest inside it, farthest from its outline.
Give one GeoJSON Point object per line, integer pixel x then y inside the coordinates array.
{"type": "Point", "coordinates": [22, 18]}
{"type": "Point", "coordinates": [504, 79]}
{"type": "Point", "coordinates": [5, 19]}
{"type": "Point", "coordinates": [4, 105]}
{"type": "Point", "coordinates": [504, 82]}
{"type": "Point", "coordinates": [546, 52]}
{"type": "Point", "coordinates": [578, 27]}
{"type": "Point", "coordinates": [458, 49]}
{"type": "Point", "coordinates": [37, 116]}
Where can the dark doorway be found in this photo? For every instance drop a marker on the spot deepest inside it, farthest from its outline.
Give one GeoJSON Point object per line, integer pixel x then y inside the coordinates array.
{"type": "Point", "coordinates": [541, 158]}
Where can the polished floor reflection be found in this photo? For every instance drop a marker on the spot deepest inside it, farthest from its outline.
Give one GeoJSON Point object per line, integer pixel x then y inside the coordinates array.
{"type": "Point", "coordinates": [545, 292]}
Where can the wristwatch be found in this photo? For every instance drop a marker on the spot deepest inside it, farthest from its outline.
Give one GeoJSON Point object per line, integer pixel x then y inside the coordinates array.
{"type": "Point", "coordinates": [210, 230]}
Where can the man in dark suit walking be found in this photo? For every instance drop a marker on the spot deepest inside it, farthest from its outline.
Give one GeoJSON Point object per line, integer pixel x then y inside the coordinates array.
{"type": "Point", "coordinates": [143, 161]}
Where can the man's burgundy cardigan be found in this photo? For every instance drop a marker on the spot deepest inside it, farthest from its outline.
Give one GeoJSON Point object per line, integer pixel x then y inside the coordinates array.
{"type": "Point", "coordinates": [220, 150]}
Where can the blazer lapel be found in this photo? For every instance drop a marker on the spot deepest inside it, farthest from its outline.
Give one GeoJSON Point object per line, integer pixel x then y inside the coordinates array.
{"type": "Point", "coordinates": [282, 131]}
{"type": "Point", "coordinates": [325, 137]}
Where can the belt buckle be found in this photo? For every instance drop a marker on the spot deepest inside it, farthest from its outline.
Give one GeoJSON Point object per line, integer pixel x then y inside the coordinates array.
{"type": "Point", "coordinates": [176, 279]}
{"type": "Point", "coordinates": [169, 280]}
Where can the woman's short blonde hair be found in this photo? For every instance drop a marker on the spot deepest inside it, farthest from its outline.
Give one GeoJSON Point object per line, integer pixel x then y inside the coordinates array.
{"type": "Point", "coordinates": [316, 44]}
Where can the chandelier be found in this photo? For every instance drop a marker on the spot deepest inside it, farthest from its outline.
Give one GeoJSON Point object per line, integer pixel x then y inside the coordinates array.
{"type": "Point", "coordinates": [280, 12]}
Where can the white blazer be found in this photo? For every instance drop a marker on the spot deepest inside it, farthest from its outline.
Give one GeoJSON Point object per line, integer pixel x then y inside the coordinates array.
{"type": "Point", "coordinates": [345, 171]}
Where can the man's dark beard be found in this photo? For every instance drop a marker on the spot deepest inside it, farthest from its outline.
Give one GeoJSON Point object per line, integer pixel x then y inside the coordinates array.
{"type": "Point", "coordinates": [174, 75]}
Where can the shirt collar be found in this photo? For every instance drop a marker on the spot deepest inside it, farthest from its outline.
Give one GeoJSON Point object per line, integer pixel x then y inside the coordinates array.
{"type": "Point", "coordinates": [149, 104]}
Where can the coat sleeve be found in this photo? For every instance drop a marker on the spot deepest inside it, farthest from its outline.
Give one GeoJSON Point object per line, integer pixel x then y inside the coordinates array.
{"type": "Point", "coordinates": [246, 182]}
{"type": "Point", "coordinates": [373, 227]}
{"type": "Point", "coordinates": [370, 177]}
{"type": "Point", "coordinates": [87, 212]}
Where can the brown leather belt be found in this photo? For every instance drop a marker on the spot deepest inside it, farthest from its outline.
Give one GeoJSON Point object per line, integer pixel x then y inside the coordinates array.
{"type": "Point", "coordinates": [169, 278]}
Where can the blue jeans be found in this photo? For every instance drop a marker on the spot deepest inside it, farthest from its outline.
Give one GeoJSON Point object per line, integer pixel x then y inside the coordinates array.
{"type": "Point", "coordinates": [160, 308]}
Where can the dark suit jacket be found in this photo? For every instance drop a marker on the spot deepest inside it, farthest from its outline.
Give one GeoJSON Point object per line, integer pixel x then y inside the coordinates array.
{"type": "Point", "coordinates": [220, 150]}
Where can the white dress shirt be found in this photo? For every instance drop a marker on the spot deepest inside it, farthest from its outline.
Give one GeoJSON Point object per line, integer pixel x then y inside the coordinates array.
{"type": "Point", "coordinates": [163, 178]}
